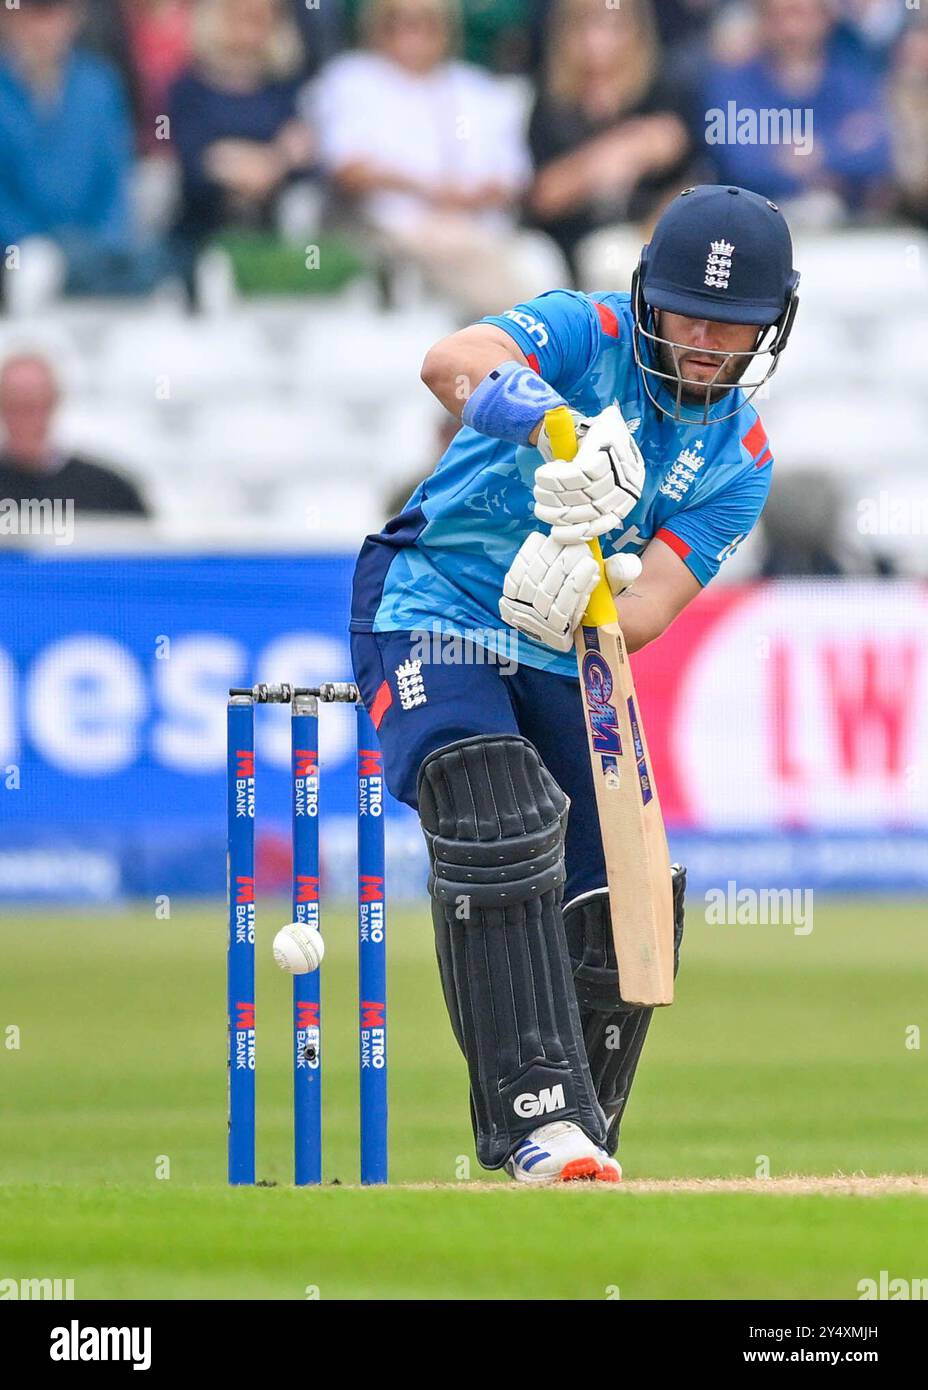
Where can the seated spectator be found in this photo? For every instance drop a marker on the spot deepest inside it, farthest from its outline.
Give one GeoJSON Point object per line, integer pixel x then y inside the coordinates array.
{"type": "Point", "coordinates": [834, 157]}
{"type": "Point", "coordinates": [431, 152]}
{"type": "Point", "coordinates": [66, 138]}
{"type": "Point", "coordinates": [153, 38]}
{"type": "Point", "coordinates": [681, 24]}
{"type": "Point", "coordinates": [909, 107]}
{"type": "Point", "coordinates": [32, 464]}
{"type": "Point", "coordinates": [234, 122]}
{"type": "Point", "coordinates": [608, 142]}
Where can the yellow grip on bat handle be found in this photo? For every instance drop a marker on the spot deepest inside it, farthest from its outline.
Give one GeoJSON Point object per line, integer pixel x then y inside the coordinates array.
{"type": "Point", "coordinates": [562, 436]}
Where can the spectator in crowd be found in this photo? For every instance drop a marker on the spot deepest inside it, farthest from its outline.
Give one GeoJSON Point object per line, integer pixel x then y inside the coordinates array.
{"type": "Point", "coordinates": [681, 24]}
{"type": "Point", "coordinates": [830, 156]}
{"type": "Point", "coordinates": [150, 41]}
{"type": "Point", "coordinates": [33, 465]}
{"type": "Point", "coordinates": [431, 152]}
{"type": "Point", "coordinates": [66, 142]}
{"type": "Point", "coordinates": [909, 108]}
{"type": "Point", "coordinates": [234, 120]}
{"type": "Point", "coordinates": [607, 141]}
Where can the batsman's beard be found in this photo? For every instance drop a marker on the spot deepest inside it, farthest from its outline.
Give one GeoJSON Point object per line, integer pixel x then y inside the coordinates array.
{"type": "Point", "coordinates": [729, 369]}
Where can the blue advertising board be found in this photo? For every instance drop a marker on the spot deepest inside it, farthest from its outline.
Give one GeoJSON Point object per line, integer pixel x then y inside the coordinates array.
{"type": "Point", "coordinates": [114, 673]}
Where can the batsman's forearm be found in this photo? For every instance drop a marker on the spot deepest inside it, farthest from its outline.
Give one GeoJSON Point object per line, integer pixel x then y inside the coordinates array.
{"type": "Point", "coordinates": [455, 366]}
{"type": "Point", "coordinates": [651, 602]}
{"type": "Point", "coordinates": [640, 618]}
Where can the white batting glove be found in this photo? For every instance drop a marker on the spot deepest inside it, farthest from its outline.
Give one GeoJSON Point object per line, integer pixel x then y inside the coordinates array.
{"type": "Point", "coordinates": [547, 589]}
{"type": "Point", "coordinates": [594, 492]}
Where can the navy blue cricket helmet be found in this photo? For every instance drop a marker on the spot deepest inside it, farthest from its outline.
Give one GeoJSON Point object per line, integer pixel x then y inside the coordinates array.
{"type": "Point", "coordinates": [723, 254]}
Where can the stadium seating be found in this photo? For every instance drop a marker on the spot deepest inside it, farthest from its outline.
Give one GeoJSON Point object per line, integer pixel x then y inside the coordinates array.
{"type": "Point", "coordinates": [311, 414]}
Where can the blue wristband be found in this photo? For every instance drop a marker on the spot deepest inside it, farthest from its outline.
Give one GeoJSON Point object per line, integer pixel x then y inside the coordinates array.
{"type": "Point", "coordinates": [509, 403]}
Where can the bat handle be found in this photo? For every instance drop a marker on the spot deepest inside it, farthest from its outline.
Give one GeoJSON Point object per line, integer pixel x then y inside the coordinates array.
{"type": "Point", "coordinates": [601, 608]}
{"type": "Point", "coordinates": [562, 436]}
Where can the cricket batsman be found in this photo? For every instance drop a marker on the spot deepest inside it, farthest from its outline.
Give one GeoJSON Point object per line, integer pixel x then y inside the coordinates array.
{"type": "Point", "coordinates": [672, 472]}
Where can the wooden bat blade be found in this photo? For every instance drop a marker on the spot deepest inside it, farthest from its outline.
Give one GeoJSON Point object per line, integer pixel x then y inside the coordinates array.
{"type": "Point", "coordinates": [632, 827]}
{"type": "Point", "coordinates": [630, 820]}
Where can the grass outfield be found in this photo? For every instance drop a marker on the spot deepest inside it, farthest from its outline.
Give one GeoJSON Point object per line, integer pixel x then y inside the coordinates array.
{"type": "Point", "coordinates": [784, 1055]}
{"type": "Point", "coordinates": [136, 1241]}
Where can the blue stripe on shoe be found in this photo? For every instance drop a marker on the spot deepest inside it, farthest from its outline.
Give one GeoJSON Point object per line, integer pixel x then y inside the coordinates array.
{"type": "Point", "coordinates": [525, 1148]}
{"type": "Point", "coordinates": [530, 1163]}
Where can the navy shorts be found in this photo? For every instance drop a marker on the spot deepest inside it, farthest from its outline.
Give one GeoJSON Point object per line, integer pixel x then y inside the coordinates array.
{"type": "Point", "coordinates": [416, 716]}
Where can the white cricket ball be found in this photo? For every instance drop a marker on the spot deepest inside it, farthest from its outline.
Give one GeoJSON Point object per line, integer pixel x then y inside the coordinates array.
{"type": "Point", "coordinates": [299, 948]}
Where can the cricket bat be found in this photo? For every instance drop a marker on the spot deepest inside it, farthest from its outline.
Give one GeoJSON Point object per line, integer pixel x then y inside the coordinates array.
{"type": "Point", "coordinates": [630, 820]}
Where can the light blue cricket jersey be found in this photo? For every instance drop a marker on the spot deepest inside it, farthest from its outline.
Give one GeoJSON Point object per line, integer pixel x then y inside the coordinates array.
{"type": "Point", "coordinates": [440, 565]}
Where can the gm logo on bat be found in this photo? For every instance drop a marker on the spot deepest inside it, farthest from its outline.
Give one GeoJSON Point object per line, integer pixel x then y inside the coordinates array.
{"type": "Point", "coordinates": [604, 722]}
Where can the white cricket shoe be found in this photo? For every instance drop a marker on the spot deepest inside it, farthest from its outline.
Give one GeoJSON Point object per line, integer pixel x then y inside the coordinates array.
{"type": "Point", "coordinates": [561, 1152]}
{"type": "Point", "coordinates": [613, 1163]}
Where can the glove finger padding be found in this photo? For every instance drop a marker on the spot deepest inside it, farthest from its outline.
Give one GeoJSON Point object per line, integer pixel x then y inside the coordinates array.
{"type": "Point", "coordinates": [547, 589]}
{"type": "Point", "coordinates": [556, 485]}
{"type": "Point", "coordinates": [592, 493]}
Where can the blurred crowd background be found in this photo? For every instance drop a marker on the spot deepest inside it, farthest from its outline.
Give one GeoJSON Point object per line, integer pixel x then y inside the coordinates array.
{"type": "Point", "coordinates": [229, 232]}
{"type": "Point", "coordinates": [231, 228]}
